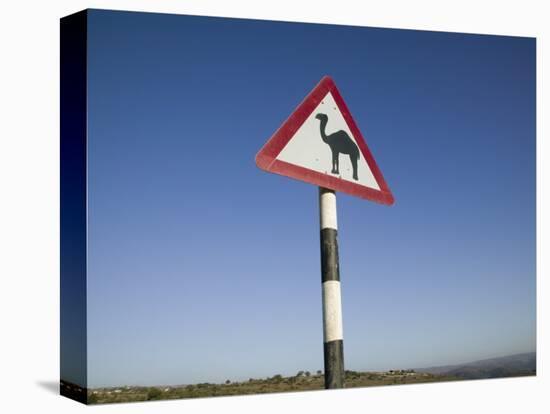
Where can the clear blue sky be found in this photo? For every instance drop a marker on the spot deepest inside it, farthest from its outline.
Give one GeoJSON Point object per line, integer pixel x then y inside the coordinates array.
{"type": "Point", "coordinates": [204, 268]}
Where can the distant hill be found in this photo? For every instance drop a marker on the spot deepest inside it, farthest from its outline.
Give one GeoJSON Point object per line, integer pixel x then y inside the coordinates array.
{"type": "Point", "coordinates": [507, 366]}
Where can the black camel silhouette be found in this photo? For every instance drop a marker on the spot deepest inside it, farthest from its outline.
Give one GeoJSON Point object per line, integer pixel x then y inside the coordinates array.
{"type": "Point", "coordinates": [339, 142]}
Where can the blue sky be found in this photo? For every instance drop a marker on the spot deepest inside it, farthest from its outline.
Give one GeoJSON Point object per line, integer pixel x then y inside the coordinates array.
{"type": "Point", "coordinates": [201, 267]}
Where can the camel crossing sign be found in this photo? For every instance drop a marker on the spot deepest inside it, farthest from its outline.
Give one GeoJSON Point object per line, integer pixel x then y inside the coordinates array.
{"type": "Point", "coordinates": [321, 144]}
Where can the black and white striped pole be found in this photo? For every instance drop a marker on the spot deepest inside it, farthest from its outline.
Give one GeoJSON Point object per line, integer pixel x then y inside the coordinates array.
{"type": "Point", "coordinates": [333, 341]}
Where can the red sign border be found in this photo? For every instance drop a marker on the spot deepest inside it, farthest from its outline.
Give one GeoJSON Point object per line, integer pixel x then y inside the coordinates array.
{"type": "Point", "coordinates": [266, 159]}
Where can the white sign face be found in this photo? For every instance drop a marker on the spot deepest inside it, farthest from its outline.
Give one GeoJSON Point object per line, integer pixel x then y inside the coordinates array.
{"type": "Point", "coordinates": [320, 144]}
{"type": "Point", "coordinates": [324, 143]}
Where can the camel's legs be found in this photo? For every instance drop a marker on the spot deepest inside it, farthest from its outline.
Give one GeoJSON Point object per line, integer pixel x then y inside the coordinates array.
{"type": "Point", "coordinates": [353, 160]}
{"type": "Point", "coordinates": [335, 162]}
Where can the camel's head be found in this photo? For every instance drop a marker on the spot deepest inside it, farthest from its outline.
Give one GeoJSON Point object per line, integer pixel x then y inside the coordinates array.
{"type": "Point", "coordinates": [321, 117]}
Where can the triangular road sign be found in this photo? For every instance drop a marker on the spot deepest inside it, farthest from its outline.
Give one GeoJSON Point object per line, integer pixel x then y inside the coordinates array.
{"type": "Point", "coordinates": [321, 144]}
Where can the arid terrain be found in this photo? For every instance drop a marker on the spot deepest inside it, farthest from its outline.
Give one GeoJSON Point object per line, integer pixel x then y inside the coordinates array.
{"type": "Point", "coordinates": [508, 366]}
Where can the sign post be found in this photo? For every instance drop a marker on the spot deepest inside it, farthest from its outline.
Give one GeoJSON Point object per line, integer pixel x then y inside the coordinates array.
{"type": "Point", "coordinates": [321, 144]}
{"type": "Point", "coordinates": [333, 340]}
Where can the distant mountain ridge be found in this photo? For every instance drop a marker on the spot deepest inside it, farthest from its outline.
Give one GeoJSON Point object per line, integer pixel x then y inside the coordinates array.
{"type": "Point", "coordinates": [507, 366]}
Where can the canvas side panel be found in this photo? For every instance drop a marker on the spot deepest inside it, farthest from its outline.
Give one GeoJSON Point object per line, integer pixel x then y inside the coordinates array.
{"type": "Point", "coordinates": [73, 194]}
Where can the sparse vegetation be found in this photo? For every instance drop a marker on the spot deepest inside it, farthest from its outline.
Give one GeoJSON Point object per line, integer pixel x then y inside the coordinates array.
{"type": "Point", "coordinates": [153, 393]}
{"type": "Point", "coordinates": [302, 381]}
{"type": "Point", "coordinates": [513, 365]}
